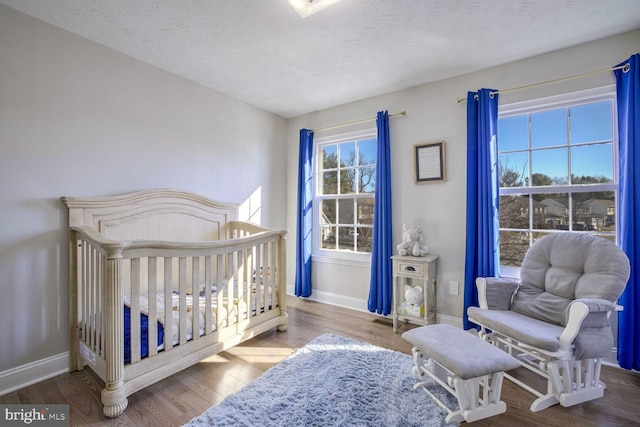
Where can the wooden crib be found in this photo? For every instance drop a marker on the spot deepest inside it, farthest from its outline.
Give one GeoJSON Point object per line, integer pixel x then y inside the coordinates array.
{"type": "Point", "coordinates": [191, 280]}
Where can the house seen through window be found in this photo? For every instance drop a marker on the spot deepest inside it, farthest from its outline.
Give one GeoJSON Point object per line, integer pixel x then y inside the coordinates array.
{"type": "Point", "coordinates": [344, 192]}
{"type": "Point", "coordinates": [557, 171]}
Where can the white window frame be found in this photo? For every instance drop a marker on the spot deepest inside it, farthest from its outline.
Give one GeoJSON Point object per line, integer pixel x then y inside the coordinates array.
{"type": "Point", "coordinates": [327, 255]}
{"type": "Point", "coordinates": [605, 93]}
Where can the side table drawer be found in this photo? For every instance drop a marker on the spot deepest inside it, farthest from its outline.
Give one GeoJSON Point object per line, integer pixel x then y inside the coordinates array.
{"type": "Point", "coordinates": [410, 269]}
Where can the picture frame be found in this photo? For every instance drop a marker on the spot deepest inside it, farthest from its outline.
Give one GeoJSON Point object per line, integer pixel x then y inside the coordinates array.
{"type": "Point", "coordinates": [429, 162]}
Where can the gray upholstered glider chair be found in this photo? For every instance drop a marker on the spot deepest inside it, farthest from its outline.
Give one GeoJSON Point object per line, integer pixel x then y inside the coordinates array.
{"type": "Point", "coordinates": [555, 319]}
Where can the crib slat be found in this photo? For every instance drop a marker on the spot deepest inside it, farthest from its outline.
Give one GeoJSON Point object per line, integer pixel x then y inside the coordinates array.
{"type": "Point", "coordinates": [195, 302]}
{"type": "Point", "coordinates": [221, 291]}
{"type": "Point", "coordinates": [258, 264]}
{"type": "Point", "coordinates": [231, 282]}
{"type": "Point", "coordinates": [182, 313]}
{"type": "Point", "coordinates": [264, 278]}
{"type": "Point", "coordinates": [241, 275]}
{"type": "Point", "coordinates": [251, 274]}
{"type": "Point", "coordinates": [244, 285]}
{"type": "Point", "coordinates": [90, 294]}
{"type": "Point", "coordinates": [84, 290]}
{"type": "Point", "coordinates": [271, 276]}
{"type": "Point", "coordinates": [168, 315]}
{"type": "Point", "coordinates": [134, 311]}
{"type": "Point", "coordinates": [96, 307]}
{"type": "Point", "coordinates": [100, 318]}
{"type": "Point", "coordinates": [93, 285]}
{"type": "Point", "coordinates": [152, 274]}
{"type": "Point", "coordinates": [207, 295]}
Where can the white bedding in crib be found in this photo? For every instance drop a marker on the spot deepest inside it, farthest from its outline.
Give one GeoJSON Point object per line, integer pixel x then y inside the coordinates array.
{"type": "Point", "coordinates": [175, 304]}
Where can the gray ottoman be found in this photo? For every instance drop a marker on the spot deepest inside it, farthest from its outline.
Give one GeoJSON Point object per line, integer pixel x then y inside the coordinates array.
{"type": "Point", "coordinates": [465, 365]}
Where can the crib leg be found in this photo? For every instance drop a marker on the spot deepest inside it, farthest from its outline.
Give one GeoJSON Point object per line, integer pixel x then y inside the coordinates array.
{"type": "Point", "coordinates": [114, 401]}
{"type": "Point", "coordinates": [285, 324]}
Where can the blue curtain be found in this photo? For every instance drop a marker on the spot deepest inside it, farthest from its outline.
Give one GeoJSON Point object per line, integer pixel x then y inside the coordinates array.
{"type": "Point", "coordinates": [380, 286]}
{"type": "Point", "coordinates": [628, 99]}
{"type": "Point", "coordinates": [304, 234]}
{"type": "Point", "coordinates": [481, 256]}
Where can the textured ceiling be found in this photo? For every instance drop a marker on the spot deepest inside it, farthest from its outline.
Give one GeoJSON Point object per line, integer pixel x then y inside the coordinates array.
{"type": "Point", "coordinates": [262, 52]}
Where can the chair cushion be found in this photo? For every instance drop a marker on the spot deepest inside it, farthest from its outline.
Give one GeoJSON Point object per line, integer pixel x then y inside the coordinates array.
{"type": "Point", "coordinates": [561, 267]}
{"type": "Point", "coordinates": [528, 330]}
{"type": "Point", "coordinates": [462, 353]}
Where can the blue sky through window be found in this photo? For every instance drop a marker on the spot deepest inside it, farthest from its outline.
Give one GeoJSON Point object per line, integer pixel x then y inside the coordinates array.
{"type": "Point", "coordinates": [576, 140]}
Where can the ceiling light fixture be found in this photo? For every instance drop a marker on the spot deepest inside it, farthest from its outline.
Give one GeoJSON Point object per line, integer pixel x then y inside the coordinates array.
{"type": "Point", "coordinates": [309, 7]}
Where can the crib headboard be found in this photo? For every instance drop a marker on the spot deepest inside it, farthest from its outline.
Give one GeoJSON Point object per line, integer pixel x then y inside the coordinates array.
{"type": "Point", "coordinates": [167, 215]}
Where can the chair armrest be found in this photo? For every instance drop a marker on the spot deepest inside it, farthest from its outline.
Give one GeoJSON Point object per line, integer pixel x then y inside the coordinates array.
{"type": "Point", "coordinates": [597, 305]}
{"type": "Point", "coordinates": [577, 313]}
{"type": "Point", "coordinates": [578, 310]}
{"type": "Point", "coordinates": [588, 328]}
{"type": "Point", "coordinates": [496, 293]}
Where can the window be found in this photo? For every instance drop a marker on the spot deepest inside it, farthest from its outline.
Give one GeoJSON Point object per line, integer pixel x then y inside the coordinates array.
{"type": "Point", "coordinates": [557, 170]}
{"type": "Point", "coordinates": [344, 190]}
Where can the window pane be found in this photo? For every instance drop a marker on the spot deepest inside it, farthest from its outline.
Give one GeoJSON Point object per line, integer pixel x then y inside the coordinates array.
{"type": "Point", "coordinates": [345, 211]}
{"type": "Point", "coordinates": [514, 211]}
{"type": "Point", "coordinates": [330, 156]}
{"type": "Point", "coordinates": [549, 167]}
{"type": "Point", "coordinates": [568, 145]}
{"type": "Point", "coordinates": [591, 122]}
{"type": "Point", "coordinates": [327, 212]}
{"type": "Point", "coordinates": [345, 188]}
{"type": "Point", "coordinates": [346, 238]}
{"type": "Point", "coordinates": [328, 237]}
{"type": "Point", "coordinates": [367, 149]}
{"type": "Point", "coordinates": [591, 164]}
{"type": "Point", "coordinates": [513, 133]}
{"type": "Point", "coordinates": [514, 169]}
{"type": "Point", "coordinates": [365, 211]}
{"type": "Point", "coordinates": [347, 154]}
{"type": "Point", "coordinates": [367, 180]}
{"type": "Point", "coordinates": [594, 211]}
{"type": "Point", "coordinates": [513, 246]}
{"type": "Point", "coordinates": [537, 236]}
{"type": "Point", "coordinates": [329, 182]}
{"type": "Point", "coordinates": [549, 128]}
{"type": "Point", "coordinates": [348, 181]}
{"type": "Point", "coordinates": [365, 237]}
{"type": "Point", "coordinates": [550, 211]}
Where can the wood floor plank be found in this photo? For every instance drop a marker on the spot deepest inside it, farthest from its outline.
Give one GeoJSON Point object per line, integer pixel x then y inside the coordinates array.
{"type": "Point", "coordinates": [175, 400]}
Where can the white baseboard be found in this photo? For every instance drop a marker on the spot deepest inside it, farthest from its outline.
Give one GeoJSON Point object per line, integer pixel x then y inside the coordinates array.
{"type": "Point", "coordinates": [362, 305]}
{"type": "Point", "coordinates": [335, 299]}
{"type": "Point", "coordinates": [34, 372]}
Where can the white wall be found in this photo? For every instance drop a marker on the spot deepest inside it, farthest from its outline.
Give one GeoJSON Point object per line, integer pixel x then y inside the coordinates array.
{"type": "Point", "coordinates": [433, 114]}
{"type": "Point", "coordinates": [79, 119]}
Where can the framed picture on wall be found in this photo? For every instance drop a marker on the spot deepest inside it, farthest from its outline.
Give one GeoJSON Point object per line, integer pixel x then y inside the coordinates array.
{"type": "Point", "coordinates": [429, 162]}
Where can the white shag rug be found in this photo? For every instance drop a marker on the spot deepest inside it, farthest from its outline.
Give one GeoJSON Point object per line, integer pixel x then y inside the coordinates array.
{"type": "Point", "coordinates": [333, 381]}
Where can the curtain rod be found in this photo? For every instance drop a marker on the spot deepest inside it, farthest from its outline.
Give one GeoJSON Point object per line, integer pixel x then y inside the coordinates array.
{"type": "Point", "coordinates": [577, 76]}
{"type": "Point", "coordinates": [401, 113]}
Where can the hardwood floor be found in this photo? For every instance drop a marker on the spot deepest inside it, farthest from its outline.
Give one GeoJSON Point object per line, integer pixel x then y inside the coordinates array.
{"type": "Point", "coordinates": [175, 400]}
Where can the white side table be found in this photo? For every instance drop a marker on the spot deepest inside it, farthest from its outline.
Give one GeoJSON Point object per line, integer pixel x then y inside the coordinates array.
{"type": "Point", "coordinates": [422, 271]}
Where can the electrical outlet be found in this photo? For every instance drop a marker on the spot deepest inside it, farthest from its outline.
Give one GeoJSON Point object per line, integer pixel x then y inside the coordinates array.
{"type": "Point", "coordinates": [453, 288]}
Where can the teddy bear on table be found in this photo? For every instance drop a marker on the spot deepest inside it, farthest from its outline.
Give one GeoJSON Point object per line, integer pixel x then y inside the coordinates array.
{"type": "Point", "coordinates": [412, 242]}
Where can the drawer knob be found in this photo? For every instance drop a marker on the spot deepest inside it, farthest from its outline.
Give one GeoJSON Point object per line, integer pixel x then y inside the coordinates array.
{"type": "Point", "coordinates": [409, 268]}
